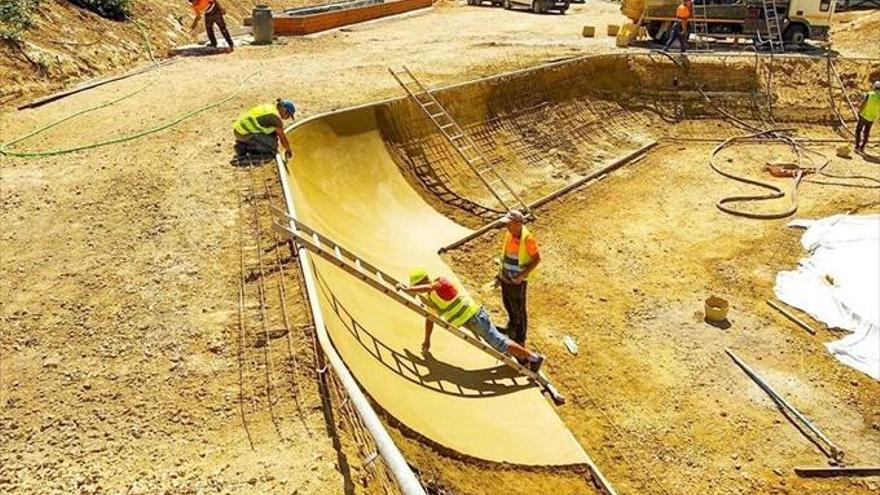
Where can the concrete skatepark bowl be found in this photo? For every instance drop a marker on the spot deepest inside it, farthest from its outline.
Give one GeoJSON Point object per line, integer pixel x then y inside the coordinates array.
{"type": "Point", "coordinates": [355, 179]}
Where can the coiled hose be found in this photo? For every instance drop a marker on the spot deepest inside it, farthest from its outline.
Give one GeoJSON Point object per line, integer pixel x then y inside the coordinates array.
{"type": "Point", "coordinates": [766, 136]}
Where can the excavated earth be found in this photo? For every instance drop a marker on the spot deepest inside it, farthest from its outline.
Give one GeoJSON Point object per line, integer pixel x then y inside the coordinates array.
{"type": "Point", "coordinates": [124, 367]}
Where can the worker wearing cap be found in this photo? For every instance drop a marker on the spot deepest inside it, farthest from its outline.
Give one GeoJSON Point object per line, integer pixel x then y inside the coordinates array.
{"type": "Point", "coordinates": [519, 258]}
{"type": "Point", "coordinates": [868, 113]}
{"type": "Point", "coordinates": [213, 14]}
{"type": "Point", "coordinates": [454, 305]}
{"type": "Point", "coordinates": [680, 27]}
{"type": "Point", "coordinates": [258, 131]}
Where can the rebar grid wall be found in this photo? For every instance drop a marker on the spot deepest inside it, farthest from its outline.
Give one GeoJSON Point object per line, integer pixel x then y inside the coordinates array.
{"type": "Point", "coordinates": [543, 128]}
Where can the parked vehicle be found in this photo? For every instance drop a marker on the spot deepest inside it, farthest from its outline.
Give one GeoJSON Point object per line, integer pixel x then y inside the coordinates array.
{"type": "Point", "coordinates": [800, 20]}
{"type": "Point", "coordinates": [539, 6]}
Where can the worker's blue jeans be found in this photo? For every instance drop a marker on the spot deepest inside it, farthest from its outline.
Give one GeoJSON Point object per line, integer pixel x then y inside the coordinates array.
{"type": "Point", "coordinates": [482, 326]}
{"type": "Point", "coordinates": [679, 34]}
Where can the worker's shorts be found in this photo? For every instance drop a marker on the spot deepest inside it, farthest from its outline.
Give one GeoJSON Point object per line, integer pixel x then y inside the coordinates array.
{"type": "Point", "coordinates": [482, 326]}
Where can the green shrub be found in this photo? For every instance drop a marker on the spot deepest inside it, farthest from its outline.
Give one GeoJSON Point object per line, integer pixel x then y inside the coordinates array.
{"type": "Point", "coordinates": [117, 10]}
{"type": "Point", "coordinates": [15, 18]}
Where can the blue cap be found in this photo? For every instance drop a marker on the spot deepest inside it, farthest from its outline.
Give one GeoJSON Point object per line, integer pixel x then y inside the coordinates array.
{"type": "Point", "coordinates": [287, 105]}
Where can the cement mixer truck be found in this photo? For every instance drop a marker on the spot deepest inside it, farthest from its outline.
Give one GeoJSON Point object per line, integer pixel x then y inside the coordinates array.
{"type": "Point", "coordinates": [799, 20]}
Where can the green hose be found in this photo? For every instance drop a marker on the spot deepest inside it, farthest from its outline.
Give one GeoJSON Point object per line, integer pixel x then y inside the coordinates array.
{"type": "Point", "coordinates": [4, 148]}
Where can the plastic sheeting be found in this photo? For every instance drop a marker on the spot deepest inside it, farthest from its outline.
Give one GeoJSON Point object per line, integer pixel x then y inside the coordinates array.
{"type": "Point", "coordinates": [839, 285]}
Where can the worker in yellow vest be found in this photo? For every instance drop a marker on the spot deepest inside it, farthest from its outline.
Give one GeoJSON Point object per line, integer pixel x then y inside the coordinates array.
{"type": "Point", "coordinates": [454, 305]}
{"type": "Point", "coordinates": [519, 258]}
{"type": "Point", "coordinates": [869, 113]}
{"type": "Point", "coordinates": [258, 131]}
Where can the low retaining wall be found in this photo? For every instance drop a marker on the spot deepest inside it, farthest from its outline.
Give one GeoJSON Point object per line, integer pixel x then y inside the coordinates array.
{"type": "Point", "coordinates": [293, 24]}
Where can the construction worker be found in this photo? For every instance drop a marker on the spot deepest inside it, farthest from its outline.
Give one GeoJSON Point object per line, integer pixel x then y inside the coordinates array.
{"type": "Point", "coordinates": [680, 26]}
{"type": "Point", "coordinates": [213, 13]}
{"type": "Point", "coordinates": [868, 113]}
{"type": "Point", "coordinates": [258, 131]}
{"type": "Point", "coordinates": [519, 258]}
{"type": "Point", "coordinates": [455, 306]}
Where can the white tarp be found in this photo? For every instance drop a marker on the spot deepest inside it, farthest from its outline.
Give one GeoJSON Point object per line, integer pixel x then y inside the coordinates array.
{"type": "Point", "coordinates": [839, 285]}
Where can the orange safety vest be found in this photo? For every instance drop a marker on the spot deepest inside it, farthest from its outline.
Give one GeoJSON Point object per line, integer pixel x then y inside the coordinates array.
{"type": "Point", "coordinates": [202, 6]}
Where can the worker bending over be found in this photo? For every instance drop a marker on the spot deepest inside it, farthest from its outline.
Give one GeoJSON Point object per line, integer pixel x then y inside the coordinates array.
{"type": "Point", "coordinates": [680, 27]}
{"type": "Point", "coordinates": [868, 114]}
{"type": "Point", "coordinates": [258, 131]}
{"type": "Point", "coordinates": [213, 13]}
{"type": "Point", "coordinates": [519, 258]}
{"type": "Point", "coordinates": [456, 307]}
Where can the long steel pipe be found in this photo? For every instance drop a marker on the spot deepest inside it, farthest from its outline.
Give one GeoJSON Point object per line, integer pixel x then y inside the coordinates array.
{"type": "Point", "coordinates": [403, 476]}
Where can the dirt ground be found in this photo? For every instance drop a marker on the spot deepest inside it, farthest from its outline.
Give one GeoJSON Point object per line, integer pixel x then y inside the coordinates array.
{"type": "Point", "coordinates": [659, 405]}
{"type": "Point", "coordinates": [120, 283]}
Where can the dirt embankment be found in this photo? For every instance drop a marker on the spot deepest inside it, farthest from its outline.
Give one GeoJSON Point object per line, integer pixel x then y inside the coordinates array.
{"type": "Point", "coordinates": [70, 43]}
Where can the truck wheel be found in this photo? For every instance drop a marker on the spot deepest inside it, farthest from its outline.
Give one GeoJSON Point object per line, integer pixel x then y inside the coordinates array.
{"type": "Point", "coordinates": [654, 31]}
{"type": "Point", "coordinates": [538, 6]}
{"type": "Point", "coordinates": [796, 33]}
{"type": "Point", "coordinates": [507, 5]}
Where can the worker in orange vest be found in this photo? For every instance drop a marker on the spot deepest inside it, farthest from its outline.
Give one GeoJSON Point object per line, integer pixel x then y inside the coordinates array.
{"type": "Point", "coordinates": [519, 258]}
{"type": "Point", "coordinates": [213, 13]}
{"type": "Point", "coordinates": [680, 28]}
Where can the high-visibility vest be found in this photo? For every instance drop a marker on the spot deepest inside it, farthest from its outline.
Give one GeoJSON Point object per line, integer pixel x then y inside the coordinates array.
{"type": "Point", "coordinates": [872, 106]}
{"type": "Point", "coordinates": [249, 122]}
{"type": "Point", "coordinates": [523, 254]}
{"type": "Point", "coordinates": [457, 311]}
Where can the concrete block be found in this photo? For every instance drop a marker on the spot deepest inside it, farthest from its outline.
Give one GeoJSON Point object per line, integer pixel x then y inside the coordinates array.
{"type": "Point", "coordinates": [589, 31]}
{"type": "Point", "coordinates": [613, 29]}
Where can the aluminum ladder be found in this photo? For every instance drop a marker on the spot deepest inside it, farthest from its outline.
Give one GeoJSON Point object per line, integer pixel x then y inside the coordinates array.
{"type": "Point", "coordinates": [774, 29]}
{"type": "Point", "coordinates": [700, 22]}
{"type": "Point", "coordinates": [464, 145]}
{"type": "Point", "coordinates": [386, 284]}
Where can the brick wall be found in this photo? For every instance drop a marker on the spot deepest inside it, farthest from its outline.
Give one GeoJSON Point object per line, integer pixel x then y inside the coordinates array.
{"type": "Point", "coordinates": [307, 24]}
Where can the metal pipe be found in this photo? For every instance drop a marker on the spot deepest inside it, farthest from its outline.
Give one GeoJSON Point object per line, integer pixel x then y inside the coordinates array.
{"type": "Point", "coordinates": [403, 476]}
{"type": "Point", "coordinates": [791, 317]}
{"type": "Point", "coordinates": [836, 453]}
{"type": "Point", "coordinates": [834, 471]}
{"type": "Point", "coordinates": [545, 199]}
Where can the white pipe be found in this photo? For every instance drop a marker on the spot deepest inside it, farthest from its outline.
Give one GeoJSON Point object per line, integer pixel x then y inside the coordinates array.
{"type": "Point", "coordinates": [404, 477]}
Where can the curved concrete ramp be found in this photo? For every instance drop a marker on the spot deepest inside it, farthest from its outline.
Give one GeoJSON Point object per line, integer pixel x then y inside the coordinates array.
{"type": "Point", "coordinates": [346, 185]}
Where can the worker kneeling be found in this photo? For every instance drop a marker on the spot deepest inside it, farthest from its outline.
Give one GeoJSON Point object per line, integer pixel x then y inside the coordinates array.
{"type": "Point", "coordinates": [258, 131]}
{"type": "Point", "coordinates": [455, 306]}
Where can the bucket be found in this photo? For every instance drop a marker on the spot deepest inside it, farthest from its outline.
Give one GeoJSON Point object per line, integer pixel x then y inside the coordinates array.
{"type": "Point", "coordinates": [716, 308]}
{"type": "Point", "coordinates": [264, 25]}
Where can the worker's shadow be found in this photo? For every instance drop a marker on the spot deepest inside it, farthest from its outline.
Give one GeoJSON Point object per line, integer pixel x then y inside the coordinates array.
{"type": "Point", "coordinates": [426, 370]}
{"type": "Point", "coordinates": [870, 158]}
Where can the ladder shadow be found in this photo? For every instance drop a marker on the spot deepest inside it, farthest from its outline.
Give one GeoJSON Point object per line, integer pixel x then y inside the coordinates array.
{"type": "Point", "coordinates": [425, 370]}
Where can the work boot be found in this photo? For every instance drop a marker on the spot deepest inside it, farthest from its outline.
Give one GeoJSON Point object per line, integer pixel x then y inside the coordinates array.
{"type": "Point", "coordinates": [536, 365]}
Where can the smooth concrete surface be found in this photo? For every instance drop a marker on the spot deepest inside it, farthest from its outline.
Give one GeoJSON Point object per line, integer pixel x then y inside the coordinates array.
{"type": "Point", "coordinates": [346, 185]}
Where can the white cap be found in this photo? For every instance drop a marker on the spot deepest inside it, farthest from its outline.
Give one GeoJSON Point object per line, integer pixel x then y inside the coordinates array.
{"type": "Point", "coordinates": [877, 85]}
{"type": "Point", "coordinates": [513, 216]}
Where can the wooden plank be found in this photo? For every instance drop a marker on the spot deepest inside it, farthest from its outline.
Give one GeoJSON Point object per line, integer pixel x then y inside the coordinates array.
{"type": "Point", "coordinates": [836, 471]}
{"type": "Point", "coordinates": [93, 84]}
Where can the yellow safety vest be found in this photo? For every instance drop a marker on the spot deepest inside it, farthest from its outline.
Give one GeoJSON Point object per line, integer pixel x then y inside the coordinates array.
{"type": "Point", "coordinates": [872, 107]}
{"type": "Point", "coordinates": [249, 122]}
{"type": "Point", "coordinates": [456, 311]}
{"type": "Point", "coordinates": [524, 258]}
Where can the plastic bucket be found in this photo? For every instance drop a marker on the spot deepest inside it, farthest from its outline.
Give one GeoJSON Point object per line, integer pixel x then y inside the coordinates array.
{"type": "Point", "coordinates": [716, 308]}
